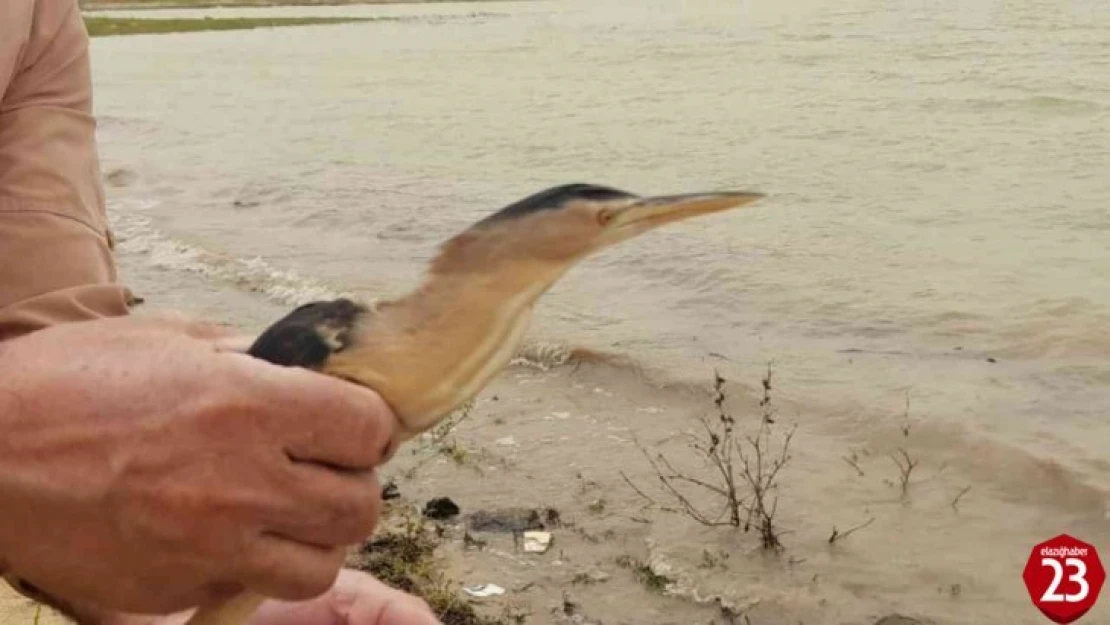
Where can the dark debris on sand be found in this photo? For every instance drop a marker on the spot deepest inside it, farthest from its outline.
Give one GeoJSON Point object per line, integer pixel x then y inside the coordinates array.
{"type": "Point", "coordinates": [514, 520]}
{"type": "Point", "coordinates": [440, 508]}
{"type": "Point", "coordinates": [404, 557]}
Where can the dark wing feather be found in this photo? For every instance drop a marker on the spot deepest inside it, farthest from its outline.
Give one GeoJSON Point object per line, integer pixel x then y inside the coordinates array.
{"type": "Point", "coordinates": [298, 339]}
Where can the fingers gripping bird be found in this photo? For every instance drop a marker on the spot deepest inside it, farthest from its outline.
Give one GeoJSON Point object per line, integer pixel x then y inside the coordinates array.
{"type": "Point", "coordinates": [435, 348]}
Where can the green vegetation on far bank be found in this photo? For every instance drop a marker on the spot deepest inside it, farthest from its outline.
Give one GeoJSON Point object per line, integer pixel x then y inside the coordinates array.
{"type": "Point", "coordinates": [101, 5]}
{"type": "Point", "coordinates": [108, 26]}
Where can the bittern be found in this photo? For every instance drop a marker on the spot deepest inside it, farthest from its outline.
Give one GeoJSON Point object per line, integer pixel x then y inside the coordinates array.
{"type": "Point", "coordinates": [434, 349]}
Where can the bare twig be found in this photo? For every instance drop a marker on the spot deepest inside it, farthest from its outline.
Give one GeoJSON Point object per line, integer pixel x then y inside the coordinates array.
{"type": "Point", "coordinates": [744, 469]}
{"type": "Point", "coordinates": [959, 495]}
{"type": "Point", "coordinates": [906, 416]}
{"type": "Point", "coordinates": [838, 535]}
{"type": "Point", "coordinates": [905, 466]}
{"type": "Point", "coordinates": [761, 473]}
{"type": "Point", "coordinates": [436, 437]}
{"type": "Point", "coordinates": [639, 492]}
{"type": "Point", "coordinates": [853, 461]}
{"type": "Point", "coordinates": [666, 481]}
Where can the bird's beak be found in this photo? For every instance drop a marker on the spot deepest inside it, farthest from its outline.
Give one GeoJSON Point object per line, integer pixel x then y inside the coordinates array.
{"type": "Point", "coordinates": [649, 213]}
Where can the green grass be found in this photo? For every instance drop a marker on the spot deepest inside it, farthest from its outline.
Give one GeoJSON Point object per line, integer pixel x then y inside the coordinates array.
{"type": "Point", "coordinates": [649, 579]}
{"type": "Point", "coordinates": [93, 5]}
{"type": "Point", "coordinates": [110, 26]}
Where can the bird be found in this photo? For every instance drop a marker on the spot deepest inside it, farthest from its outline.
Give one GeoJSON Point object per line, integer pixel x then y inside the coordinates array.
{"type": "Point", "coordinates": [434, 348]}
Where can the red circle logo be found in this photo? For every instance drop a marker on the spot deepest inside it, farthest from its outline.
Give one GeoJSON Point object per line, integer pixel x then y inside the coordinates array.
{"type": "Point", "coordinates": [1064, 577]}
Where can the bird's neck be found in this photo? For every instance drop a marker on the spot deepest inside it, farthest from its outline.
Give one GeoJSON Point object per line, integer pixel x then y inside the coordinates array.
{"type": "Point", "coordinates": [434, 349]}
{"type": "Point", "coordinates": [477, 304]}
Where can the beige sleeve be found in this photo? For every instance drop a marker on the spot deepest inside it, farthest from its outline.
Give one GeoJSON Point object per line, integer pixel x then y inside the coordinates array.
{"type": "Point", "coordinates": [56, 261]}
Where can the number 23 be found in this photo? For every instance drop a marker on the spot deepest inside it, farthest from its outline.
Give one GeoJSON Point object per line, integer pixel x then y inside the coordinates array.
{"type": "Point", "coordinates": [1080, 577]}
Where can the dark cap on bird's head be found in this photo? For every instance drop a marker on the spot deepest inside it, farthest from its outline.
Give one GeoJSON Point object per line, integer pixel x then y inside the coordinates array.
{"type": "Point", "coordinates": [555, 198]}
{"type": "Point", "coordinates": [567, 222]}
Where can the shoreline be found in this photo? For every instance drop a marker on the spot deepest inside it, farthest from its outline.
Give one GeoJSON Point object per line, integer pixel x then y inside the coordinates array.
{"type": "Point", "coordinates": [122, 26]}
{"type": "Point", "coordinates": [131, 5]}
{"type": "Point", "coordinates": [107, 25]}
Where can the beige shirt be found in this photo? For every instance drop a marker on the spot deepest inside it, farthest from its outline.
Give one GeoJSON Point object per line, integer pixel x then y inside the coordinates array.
{"type": "Point", "coordinates": [56, 260]}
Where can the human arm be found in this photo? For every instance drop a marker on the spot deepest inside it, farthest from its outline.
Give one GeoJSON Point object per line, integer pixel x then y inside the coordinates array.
{"type": "Point", "coordinates": [56, 260]}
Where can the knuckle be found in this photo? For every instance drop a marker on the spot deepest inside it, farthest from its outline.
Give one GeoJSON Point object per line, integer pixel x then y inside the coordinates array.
{"type": "Point", "coordinates": [305, 576]}
{"type": "Point", "coordinates": [368, 512]}
{"type": "Point", "coordinates": [357, 515]}
{"type": "Point", "coordinates": [224, 399]}
{"type": "Point", "coordinates": [217, 592]}
{"type": "Point", "coordinates": [375, 425]}
{"type": "Point", "coordinates": [313, 581]}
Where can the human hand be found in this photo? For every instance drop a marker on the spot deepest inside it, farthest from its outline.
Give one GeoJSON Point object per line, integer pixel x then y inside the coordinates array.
{"type": "Point", "coordinates": [143, 469]}
{"type": "Point", "coordinates": [355, 599]}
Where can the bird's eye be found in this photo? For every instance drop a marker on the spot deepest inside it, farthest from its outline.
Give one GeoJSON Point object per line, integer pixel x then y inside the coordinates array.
{"type": "Point", "coordinates": [604, 216]}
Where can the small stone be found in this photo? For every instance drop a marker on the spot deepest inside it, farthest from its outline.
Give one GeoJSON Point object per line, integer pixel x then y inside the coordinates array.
{"type": "Point", "coordinates": [537, 542]}
{"type": "Point", "coordinates": [390, 491]}
{"type": "Point", "coordinates": [597, 577]}
{"type": "Point", "coordinates": [120, 177]}
{"type": "Point", "coordinates": [484, 590]}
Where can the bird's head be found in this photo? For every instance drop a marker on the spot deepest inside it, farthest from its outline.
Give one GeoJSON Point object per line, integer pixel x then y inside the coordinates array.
{"type": "Point", "coordinates": [561, 225]}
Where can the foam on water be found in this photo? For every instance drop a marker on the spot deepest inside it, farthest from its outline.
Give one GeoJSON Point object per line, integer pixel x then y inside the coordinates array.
{"type": "Point", "coordinates": [136, 235]}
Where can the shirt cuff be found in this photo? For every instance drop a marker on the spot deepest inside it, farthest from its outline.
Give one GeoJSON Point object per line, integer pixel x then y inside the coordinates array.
{"type": "Point", "coordinates": [53, 269]}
